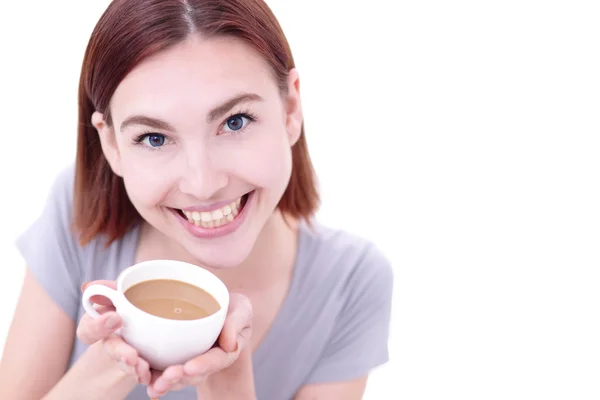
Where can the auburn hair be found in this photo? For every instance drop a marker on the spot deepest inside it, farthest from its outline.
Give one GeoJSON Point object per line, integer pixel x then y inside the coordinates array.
{"type": "Point", "coordinates": [128, 32]}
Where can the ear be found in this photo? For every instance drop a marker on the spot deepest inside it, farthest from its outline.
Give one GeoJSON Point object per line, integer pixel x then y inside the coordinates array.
{"type": "Point", "coordinates": [108, 142]}
{"type": "Point", "coordinates": [293, 105]}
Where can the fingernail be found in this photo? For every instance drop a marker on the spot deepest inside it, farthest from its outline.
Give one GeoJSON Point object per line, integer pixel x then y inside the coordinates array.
{"type": "Point", "coordinates": [111, 322]}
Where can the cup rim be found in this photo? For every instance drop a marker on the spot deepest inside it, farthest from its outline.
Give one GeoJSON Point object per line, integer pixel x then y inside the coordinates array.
{"type": "Point", "coordinates": [129, 270]}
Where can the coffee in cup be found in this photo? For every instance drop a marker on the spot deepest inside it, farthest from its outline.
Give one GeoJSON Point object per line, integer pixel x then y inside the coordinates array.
{"type": "Point", "coordinates": [172, 311]}
{"type": "Point", "coordinates": [171, 299]}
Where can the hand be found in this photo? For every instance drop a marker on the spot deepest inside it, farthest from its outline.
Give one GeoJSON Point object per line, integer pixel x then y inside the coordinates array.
{"type": "Point", "coordinates": [234, 338]}
{"type": "Point", "coordinates": [92, 330]}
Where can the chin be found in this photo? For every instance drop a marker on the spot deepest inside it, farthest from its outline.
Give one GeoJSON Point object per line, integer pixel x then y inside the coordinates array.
{"type": "Point", "coordinates": [219, 260]}
{"type": "Point", "coordinates": [225, 252]}
{"type": "Point", "coordinates": [226, 244]}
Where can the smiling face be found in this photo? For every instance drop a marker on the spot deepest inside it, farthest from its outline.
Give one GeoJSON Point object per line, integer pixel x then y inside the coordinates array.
{"type": "Point", "coordinates": [202, 137]}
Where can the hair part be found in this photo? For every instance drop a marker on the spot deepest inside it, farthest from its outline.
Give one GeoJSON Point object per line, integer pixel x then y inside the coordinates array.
{"type": "Point", "coordinates": [127, 33]}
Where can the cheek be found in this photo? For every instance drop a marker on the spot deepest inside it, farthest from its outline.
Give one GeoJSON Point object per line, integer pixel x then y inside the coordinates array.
{"type": "Point", "coordinates": [267, 162]}
{"type": "Point", "coordinates": [144, 191]}
{"type": "Point", "coordinates": [146, 184]}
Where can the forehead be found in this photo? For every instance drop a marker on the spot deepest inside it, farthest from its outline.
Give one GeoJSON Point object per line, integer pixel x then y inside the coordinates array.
{"type": "Point", "coordinates": [196, 74]}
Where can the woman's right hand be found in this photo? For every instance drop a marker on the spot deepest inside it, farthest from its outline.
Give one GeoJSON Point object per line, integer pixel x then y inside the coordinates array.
{"type": "Point", "coordinates": [92, 330]}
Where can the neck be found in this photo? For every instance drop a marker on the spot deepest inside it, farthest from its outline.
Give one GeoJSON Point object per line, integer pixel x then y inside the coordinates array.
{"type": "Point", "coordinates": [271, 259]}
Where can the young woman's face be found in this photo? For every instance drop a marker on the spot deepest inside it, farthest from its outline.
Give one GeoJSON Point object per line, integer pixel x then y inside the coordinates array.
{"type": "Point", "coordinates": [202, 138]}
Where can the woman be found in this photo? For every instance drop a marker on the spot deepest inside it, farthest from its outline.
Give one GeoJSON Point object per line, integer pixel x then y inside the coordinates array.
{"type": "Point", "coordinates": [191, 147]}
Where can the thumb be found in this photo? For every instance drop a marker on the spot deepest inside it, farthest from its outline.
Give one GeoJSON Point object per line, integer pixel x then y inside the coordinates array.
{"type": "Point", "coordinates": [238, 324]}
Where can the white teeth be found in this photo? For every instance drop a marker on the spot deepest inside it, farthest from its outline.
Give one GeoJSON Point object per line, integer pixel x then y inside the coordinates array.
{"type": "Point", "coordinates": [206, 217]}
{"type": "Point", "coordinates": [217, 215]}
{"type": "Point", "coordinates": [215, 218]}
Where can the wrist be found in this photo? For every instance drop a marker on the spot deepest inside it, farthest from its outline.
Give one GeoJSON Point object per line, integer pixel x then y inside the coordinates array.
{"type": "Point", "coordinates": [104, 375]}
{"type": "Point", "coordinates": [108, 369]}
{"type": "Point", "coordinates": [233, 383]}
{"type": "Point", "coordinates": [94, 376]}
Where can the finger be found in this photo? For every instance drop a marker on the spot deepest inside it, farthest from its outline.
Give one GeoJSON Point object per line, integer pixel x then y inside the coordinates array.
{"type": "Point", "coordinates": [117, 349]}
{"type": "Point", "coordinates": [208, 363]}
{"type": "Point", "coordinates": [90, 330]}
{"type": "Point", "coordinates": [103, 309]}
{"type": "Point", "coordinates": [125, 367]}
{"type": "Point", "coordinates": [99, 299]}
{"type": "Point", "coordinates": [237, 324]}
{"type": "Point", "coordinates": [165, 382]}
{"type": "Point", "coordinates": [154, 375]}
{"type": "Point", "coordinates": [110, 284]}
{"type": "Point", "coordinates": [153, 393]}
{"type": "Point", "coordinates": [142, 370]}
{"type": "Point", "coordinates": [192, 380]}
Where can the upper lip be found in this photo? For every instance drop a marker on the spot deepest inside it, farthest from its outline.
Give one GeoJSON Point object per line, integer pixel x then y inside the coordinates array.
{"type": "Point", "coordinates": [209, 207]}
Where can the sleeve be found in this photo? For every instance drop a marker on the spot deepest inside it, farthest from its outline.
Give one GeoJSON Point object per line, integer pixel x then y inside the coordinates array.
{"type": "Point", "coordinates": [50, 249]}
{"type": "Point", "coordinates": [359, 340]}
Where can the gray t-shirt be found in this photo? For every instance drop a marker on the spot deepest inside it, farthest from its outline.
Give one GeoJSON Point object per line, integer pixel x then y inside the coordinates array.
{"type": "Point", "coordinates": [332, 326]}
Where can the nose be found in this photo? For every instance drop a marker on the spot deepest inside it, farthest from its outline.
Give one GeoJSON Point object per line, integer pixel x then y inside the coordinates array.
{"type": "Point", "coordinates": [201, 177]}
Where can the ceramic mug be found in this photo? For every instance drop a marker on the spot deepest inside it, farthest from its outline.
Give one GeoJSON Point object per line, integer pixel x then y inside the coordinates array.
{"type": "Point", "coordinates": [160, 341]}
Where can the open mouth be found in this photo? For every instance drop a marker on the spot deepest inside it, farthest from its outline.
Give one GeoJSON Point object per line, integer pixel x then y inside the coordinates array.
{"type": "Point", "coordinates": [217, 217]}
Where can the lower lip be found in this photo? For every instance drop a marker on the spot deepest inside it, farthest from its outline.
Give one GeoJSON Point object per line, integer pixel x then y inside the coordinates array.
{"type": "Point", "coordinates": [211, 233]}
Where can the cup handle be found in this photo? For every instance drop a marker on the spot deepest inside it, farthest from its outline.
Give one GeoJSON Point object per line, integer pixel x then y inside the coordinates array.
{"type": "Point", "coordinates": [99, 290]}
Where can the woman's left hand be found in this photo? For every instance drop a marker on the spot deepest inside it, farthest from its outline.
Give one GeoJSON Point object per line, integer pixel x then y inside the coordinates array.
{"type": "Point", "coordinates": [234, 338]}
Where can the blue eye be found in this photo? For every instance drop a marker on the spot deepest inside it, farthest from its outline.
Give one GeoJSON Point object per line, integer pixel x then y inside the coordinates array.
{"type": "Point", "coordinates": [153, 140]}
{"type": "Point", "coordinates": [237, 122]}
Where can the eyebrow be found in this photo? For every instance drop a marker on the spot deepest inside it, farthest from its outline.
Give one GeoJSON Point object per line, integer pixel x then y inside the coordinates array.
{"type": "Point", "coordinates": [215, 113]}
{"type": "Point", "coordinates": [146, 121]}
{"type": "Point", "coordinates": [229, 104]}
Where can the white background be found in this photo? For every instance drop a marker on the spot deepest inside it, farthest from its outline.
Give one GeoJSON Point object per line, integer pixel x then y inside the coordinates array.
{"type": "Point", "coordinates": [461, 136]}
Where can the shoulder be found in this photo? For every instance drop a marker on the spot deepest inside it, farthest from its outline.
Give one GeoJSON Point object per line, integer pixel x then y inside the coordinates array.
{"type": "Point", "coordinates": [54, 229]}
{"type": "Point", "coordinates": [348, 263]}
{"type": "Point", "coordinates": [346, 295]}
{"type": "Point", "coordinates": [61, 191]}
{"type": "Point", "coordinates": [61, 199]}
{"type": "Point", "coordinates": [51, 249]}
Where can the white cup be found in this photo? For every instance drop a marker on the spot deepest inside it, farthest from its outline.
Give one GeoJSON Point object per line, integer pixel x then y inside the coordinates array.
{"type": "Point", "coordinates": [160, 341]}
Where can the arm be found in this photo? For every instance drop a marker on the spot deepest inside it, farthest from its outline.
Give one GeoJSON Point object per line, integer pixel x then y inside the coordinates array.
{"type": "Point", "coordinates": [41, 338]}
{"type": "Point", "coordinates": [33, 352]}
{"type": "Point", "coordinates": [350, 390]}
{"type": "Point", "coordinates": [37, 352]}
